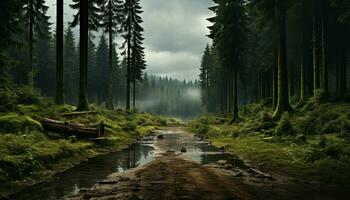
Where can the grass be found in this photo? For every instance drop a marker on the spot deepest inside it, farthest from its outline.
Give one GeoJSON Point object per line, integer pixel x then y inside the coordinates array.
{"type": "Point", "coordinates": [29, 155]}
{"type": "Point", "coordinates": [312, 143]}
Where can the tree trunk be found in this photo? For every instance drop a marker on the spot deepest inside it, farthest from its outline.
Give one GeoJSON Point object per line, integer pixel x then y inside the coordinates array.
{"type": "Point", "coordinates": [235, 95]}
{"type": "Point", "coordinates": [262, 86]}
{"type": "Point", "coordinates": [302, 99]}
{"type": "Point", "coordinates": [302, 78]}
{"type": "Point", "coordinates": [275, 80]}
{"type": "Point", "coordinates": [59, 54]}
{"type": "Point", "coordinates": [110, 105]}
{"type": "Point", "coordinates": [323, 55]}
{"type": "Point", "coordinates": [134, 91]}
{"type": "Point", "coordinates": [129, 59]}
{"type": "Point", "coordinates": [316, 67]}
{"type": "Point", "coordinates": [79, 130]}
{"type": "Point", "coordinates": [291, 84]}
{"type": "Point", "coordinates": [283, 97]}
{"type": "Point", "coordinates": [84, 37]}
{"type": "Point", "coordinates": [31, 40]}
{"type": "Point", "coordinates": [245, 99]}
{"type": "Point", "coordinates": [207, 90]}
{"type": "Point", "coordinates": [342, 82]}
{"type": "Point", "coordinates": [230, 92]}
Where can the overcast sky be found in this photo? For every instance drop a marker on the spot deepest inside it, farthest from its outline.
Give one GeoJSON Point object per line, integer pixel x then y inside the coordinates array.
{"type": "Point", "coordinates": [174, 35]}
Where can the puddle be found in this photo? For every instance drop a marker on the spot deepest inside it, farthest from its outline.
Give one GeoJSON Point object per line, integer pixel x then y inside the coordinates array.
{"type": "Point", "coordinates": [89, 173]}
{"type": "Point", "coordinates": [198, 150]}
{"type": "Point", "coordinates": [97, 169]}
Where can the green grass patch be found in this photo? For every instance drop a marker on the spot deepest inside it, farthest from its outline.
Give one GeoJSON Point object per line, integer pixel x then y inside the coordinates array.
{"type": "Point", "coordinates": [311, 143]}
{"type": "Point", "coordinates": [29, 155]}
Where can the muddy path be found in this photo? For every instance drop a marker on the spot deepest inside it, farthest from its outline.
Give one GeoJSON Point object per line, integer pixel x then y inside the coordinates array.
{"type": "Point", "coordinates": [186, 167]}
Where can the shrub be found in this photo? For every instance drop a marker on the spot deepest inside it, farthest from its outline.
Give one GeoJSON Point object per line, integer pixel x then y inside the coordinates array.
{"type": "Point", "coordinates": [326, 116]}
{"type": "Point", "coordinates": [162, 122]}
{"type": "Point", "coordinates": [254, 108]}
{"type": "Point", "coordinates": [319, 97]}
{"type": "Point", "coordinates": [325, 148]}
{"type": "Point", "coordinates": [345, 128]}
{"type": "Point", "coordinates": [306, 124]}
{"type": "Point", "coordinates": [284, 127]}
{"type": "Point", "coordinates": [8, 100]}
{"type": "Point", "coordinates": [28, 96]}
{"type": "Point", "coordinates": [202, 128]}
{"type": "Point", "coordinates": [129, 126]}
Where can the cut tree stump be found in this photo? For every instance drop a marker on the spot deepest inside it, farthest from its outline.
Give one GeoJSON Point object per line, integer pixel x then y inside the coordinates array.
{"type": "Point", "coordinates": [79, 130]}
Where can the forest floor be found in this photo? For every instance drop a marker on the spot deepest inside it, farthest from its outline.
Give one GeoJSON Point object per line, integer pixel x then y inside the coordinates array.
{"type": "Point", "coordinates": [30, 155]}
{"type": "Point", "coordinates": [312, 143]}
{"type": "Point", "coordinates": [172, 175]}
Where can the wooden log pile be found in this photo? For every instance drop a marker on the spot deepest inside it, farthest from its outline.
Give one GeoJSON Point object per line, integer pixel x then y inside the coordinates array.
{"type": "Point", "coordinates": [79, 130]}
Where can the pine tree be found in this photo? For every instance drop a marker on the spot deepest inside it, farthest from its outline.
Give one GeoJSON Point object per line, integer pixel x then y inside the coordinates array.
{"type": "Point", "coordinates": [231, 20]}
{"type": "Point", "coordinates": [283, 96]}
{"type": "Point", "coordinates": [34, 15]}
{"type": "Point", "coordinates": [111, 11]}
{"type": "Point", "coordinates": [10, 13]}
{"type": "Point", "coordinates": [316, 46]}
{"type": "Point", "coordinates": [92, 72]}
{"type": "Point", "coordinates": [93, 13]}
{"type": "Point", "coordinates": [44, 54]}
{"type": "Point", "coordinates": [133, 45]}
{"type": "Point", "coordinates": [204, 76]}
{"type": "Point", "coordinates": [70, 66]}
{"type": "Point", "coordinates": [102, 70]}
{"type": "Point", "coordinates": [88, 19]}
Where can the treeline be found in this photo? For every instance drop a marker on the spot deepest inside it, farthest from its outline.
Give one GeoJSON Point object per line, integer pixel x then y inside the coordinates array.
{"type": "Point", "coordinates": [275, 52]}
{"type": "Point", "coordinates": [73, 71]}
{"type": "Point", "coordinates": [171, 97]}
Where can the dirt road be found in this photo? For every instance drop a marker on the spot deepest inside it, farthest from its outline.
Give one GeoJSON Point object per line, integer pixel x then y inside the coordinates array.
{"type": "Point", "coordinates": [173, 175]}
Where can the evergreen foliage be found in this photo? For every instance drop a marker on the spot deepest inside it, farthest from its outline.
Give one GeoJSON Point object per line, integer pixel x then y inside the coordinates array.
{"type": "Point", "coordinates": [280, 62]}
{"type": "Point", "coordinates": [133, 46]}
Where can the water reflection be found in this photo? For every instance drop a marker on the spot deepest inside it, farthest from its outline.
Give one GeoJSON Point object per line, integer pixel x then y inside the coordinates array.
{"type": "Point", "coordinates": [200, 151]}
{"type": "Point", "coordinates": [89, 173]}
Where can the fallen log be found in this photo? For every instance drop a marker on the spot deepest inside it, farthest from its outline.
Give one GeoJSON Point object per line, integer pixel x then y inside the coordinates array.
{"type": "Point", "coordinates": [79, 130]}
{"type": "Point", "coordinates": [79, 113]}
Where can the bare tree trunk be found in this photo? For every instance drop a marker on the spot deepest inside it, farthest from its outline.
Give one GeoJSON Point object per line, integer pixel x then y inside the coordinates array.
{"type": "Point", "coordinates": [59, 54]}
{"type": "Point", "coordinates": [129, 59]}
{"type": "Point", "coordinates": [316, 67]}
{"type": "Point", "coordinates": [235, 95]}
{"type": "Point", "coordinates": [84, 37]}
{"type": "Point", "coordinates": [283, 97]}
{"type": "Point", "coordinates": [110, 105]}
{"type": "Point", "coordinates": [31, 40]}
{"type": "Point", "coordinates": [323, 55]}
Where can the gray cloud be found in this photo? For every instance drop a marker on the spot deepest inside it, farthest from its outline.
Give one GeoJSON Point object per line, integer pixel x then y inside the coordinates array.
{"type": "Point", "coordinates": [175, 35]}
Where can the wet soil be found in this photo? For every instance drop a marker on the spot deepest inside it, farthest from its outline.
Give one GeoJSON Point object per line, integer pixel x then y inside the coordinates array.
{"type": "Point", "coordinates": [187, 167]}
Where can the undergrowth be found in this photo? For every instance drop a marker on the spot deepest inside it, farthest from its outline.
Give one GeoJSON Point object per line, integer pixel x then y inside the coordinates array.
{"type": "Point", "coordinates": [312, 143]}
{"type": "Point", "coordinates": [29, 154]}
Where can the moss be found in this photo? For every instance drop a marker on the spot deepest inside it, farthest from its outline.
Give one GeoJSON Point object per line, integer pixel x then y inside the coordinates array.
{"type": "Point", "coordinates": [145, 130]}
{"type": "Point", "coordinates": [312, 143]}
{"type": "Point", "coordinates": [31, 155]}
{"type": "Point", "coordinates": [13, 122]}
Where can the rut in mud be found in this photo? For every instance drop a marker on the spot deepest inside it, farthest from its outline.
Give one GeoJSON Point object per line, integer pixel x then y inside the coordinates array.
{"type": "Point", "coordinates": [168, 177]}
{"type": "Point", "coordinates": [199, 173]}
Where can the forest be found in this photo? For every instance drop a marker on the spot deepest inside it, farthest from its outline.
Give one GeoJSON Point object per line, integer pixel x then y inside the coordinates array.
{"type": "Point", "coordinates": [82, 100]}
